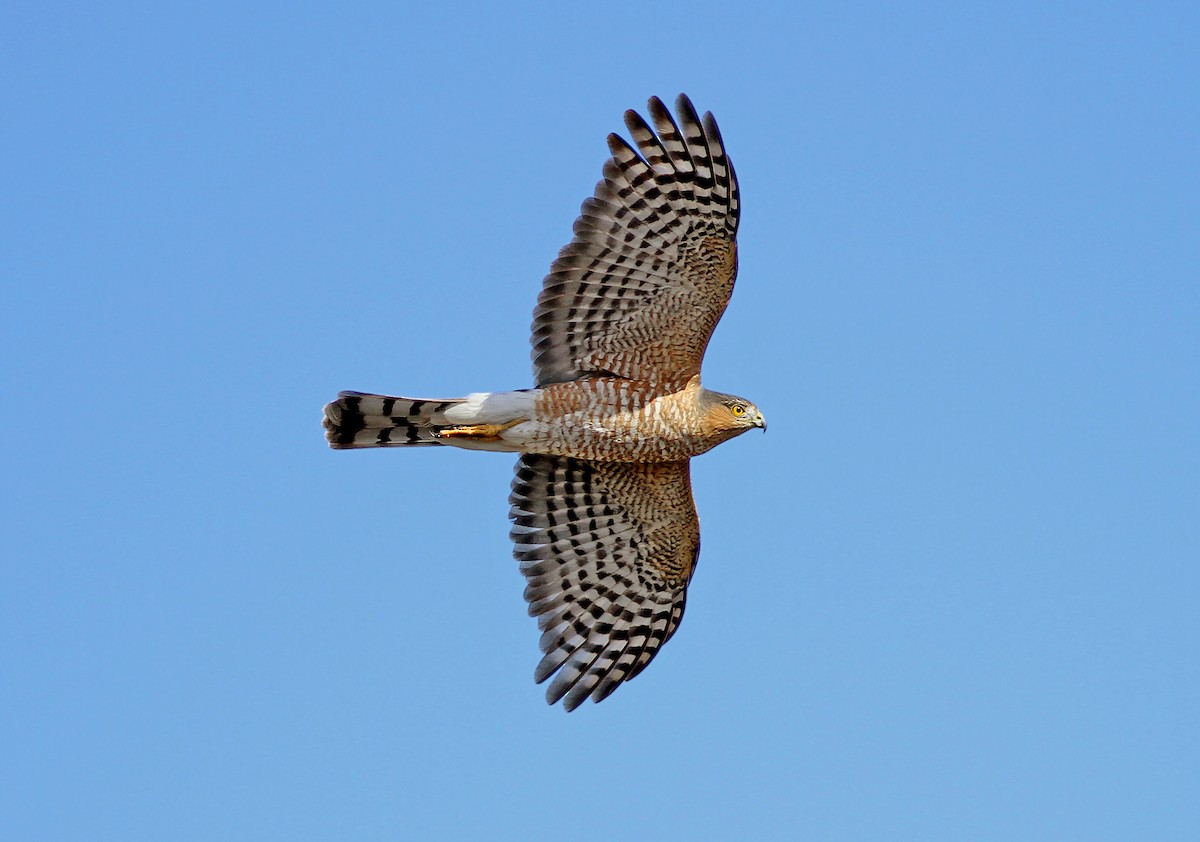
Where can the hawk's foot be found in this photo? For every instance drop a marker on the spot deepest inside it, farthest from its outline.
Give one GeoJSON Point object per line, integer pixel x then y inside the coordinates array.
{"type": "Point", "coordinates": [483, 432]}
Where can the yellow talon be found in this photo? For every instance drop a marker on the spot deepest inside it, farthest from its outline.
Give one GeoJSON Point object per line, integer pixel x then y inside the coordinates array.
{"type": "Point", "coordinates": [477, 431]}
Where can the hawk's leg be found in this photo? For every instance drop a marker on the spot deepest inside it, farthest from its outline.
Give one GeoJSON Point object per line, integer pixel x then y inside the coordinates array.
{"type": "Point", "coordinates": [483, 432]}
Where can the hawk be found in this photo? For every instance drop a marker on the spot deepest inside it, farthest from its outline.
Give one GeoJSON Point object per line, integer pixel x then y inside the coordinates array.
{"type": "Point", "coordinates": [604, 525]}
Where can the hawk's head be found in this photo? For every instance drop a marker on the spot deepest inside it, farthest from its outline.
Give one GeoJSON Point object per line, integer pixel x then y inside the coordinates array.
{"type": "Point", "coordinates": [729, 415]}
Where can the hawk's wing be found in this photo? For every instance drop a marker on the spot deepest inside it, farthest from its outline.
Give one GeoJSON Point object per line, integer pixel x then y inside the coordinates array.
{"type": "Point", "coordinates": [639, 290]}
{"type": "Point", "coordinates": [607, 549]}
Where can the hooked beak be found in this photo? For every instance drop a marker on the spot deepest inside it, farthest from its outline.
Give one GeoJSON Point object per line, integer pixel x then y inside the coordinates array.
{"type": "Point", "coordinates": [761, 422]}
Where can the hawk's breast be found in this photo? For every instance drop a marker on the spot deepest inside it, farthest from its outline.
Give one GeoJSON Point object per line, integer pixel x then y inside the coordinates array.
{"type": "Point", "coordinates": [613, 420]}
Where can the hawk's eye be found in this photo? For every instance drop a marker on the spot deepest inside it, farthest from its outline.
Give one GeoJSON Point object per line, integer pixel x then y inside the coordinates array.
{"type": "Point", "coordinates": [738, 410]}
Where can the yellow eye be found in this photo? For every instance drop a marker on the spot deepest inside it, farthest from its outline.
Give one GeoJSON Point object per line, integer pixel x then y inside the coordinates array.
{"type": "Point", "coordinates": [738, 410]}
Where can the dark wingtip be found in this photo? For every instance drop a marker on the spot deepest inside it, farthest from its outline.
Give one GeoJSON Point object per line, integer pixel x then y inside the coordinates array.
{"type": "Point", "coordinates": [617, 144]}
{"type": "Point", "coordinates": [657, 110]}
{"type": "Point", "coordinates": [683, 104]}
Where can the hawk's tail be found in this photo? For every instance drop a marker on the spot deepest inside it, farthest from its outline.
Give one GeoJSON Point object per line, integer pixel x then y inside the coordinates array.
{"type": "Point", "coordinates": [360, 420]}
{"type": "Point", "coordinates": [356, 419]}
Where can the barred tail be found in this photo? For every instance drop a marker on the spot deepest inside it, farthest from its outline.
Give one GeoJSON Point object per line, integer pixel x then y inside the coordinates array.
{"type": "Point", "coordinates": [357, 420]}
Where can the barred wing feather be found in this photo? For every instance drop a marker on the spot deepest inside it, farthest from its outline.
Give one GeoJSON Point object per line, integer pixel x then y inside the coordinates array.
{"type": "Point", "coordinates": [638, 291]}
{"type": "Point", "coordinates": [607, 550]}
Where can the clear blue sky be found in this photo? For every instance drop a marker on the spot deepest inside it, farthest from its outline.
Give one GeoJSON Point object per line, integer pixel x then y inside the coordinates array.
{"type": "Point", "coordinates": [954, 593]}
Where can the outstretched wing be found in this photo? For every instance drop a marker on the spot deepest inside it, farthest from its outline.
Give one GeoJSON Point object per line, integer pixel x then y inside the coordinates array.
{"type": "Point", "coordinates": [639, 290]}
{"type": "Point", "coordinates": [608, 549]}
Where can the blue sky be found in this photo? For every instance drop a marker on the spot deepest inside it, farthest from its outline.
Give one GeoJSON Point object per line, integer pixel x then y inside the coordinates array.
{"type": "Point", "coordinates": [952, 594]}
